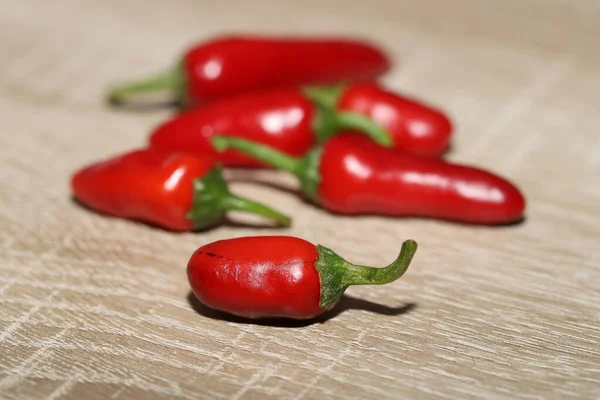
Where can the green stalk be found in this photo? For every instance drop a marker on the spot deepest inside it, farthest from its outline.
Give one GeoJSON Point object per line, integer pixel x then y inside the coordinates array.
{"type": "Point", "coordinates": [337, 274]}
{"type": "Point", "coordinates": [363, 275]}
{"type": "Point", "coordinates": [305, 168]}
{"type": "Point", "coordinates": [329, 121]}
{"type": "Point", "coordinates": [172, 81]}
{"type": "Point", "coordinates": [363, 124]}
{"type": "Point", "coordinates": [232, 202]}
{"type": "Point", "coordinates": [325, 96]}
{"type": "Point", "coordinates": [261, 152]}
{"type": "Point", "coordinates": [212, 199]}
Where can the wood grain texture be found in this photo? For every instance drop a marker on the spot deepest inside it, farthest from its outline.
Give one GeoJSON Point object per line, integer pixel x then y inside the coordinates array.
{"type": "Point", "coordinates": [97, 308]}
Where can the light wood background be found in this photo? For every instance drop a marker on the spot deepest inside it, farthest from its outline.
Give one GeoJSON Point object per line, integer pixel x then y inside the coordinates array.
{"type": "Point", "coordinates": [97, 308]}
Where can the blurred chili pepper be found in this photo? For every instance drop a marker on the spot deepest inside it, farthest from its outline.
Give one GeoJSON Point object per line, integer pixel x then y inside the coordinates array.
{"type": "Point", "coordinates": [351, 175]}
{"type": "Point", "coordinates": [283, 119]}
{"type": "Point", "coordinates": [176, 191]}
{"type": "Point", "coordinates": [227, 66]}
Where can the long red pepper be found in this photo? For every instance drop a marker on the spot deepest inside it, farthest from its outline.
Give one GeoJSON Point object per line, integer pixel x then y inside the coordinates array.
{"type": "Point", "coordinates": [280, 276]}
{"type": "Point", "coordinates": [352, 175]}
{"type": "Point", "coordinates": [227, 66]}
{"type": "Point", "coordinates": [283, 119]}
{"type": "Point", "coordinates": [177, 191]}
{"type": "Point", "coordinates": [415, 127]}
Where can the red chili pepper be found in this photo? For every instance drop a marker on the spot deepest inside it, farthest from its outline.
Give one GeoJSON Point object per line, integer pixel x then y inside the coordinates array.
{"type": "Point", "coordinates": [352, 175]}
{"type": "Point", "coordinates": [284, 119]}
{"type": "Point", "coordinates": [415, 127]}
{"type": "Point", "coordinates": [228, 66]}
{"type": "Point", "coordinates": [280, 276]}
{"type": "Point", "coordinates": [176, 191]}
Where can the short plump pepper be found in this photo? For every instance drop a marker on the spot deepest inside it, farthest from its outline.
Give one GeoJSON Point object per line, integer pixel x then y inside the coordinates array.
{"type": "Point", "coordinates": [176, 191]}
{"type": "Point", "coordinates": [415, 127]}
{"type": "Point", "coordinates": [227, 66]}
{"type": "Point", "coordinates": [284, 119]}
{"type": "Point", "coordinates": [280, 276]}
{"type": "Point", "coordinates": [351, 175]}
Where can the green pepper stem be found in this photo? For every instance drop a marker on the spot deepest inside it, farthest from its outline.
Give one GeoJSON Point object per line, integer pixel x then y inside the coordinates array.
{"type": "Point", "coordinates": [362, 275]}
{"type": "Point", "coordinates": [231, 202]}
{"type": "Point", "coordinates": [170, 80]}
{"type": "Point", "coordinates": [306, 169]}
{"type": "Point", "coordinates": [212, 198]}
{"type": "Point", "coordinates": [325, 96]}
{"type": "Point", "coordinates": [261, 152]}
{"type": "Point", "coordinates": [329, 121]}
{"type": "Point", "coordinates": [336, 274]}
{"type": "Point", "coordinates": [363, 124]}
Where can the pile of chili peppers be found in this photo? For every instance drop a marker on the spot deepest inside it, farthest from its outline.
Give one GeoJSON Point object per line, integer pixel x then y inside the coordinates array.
{"type": "Point", "coordinates": [312, 108]}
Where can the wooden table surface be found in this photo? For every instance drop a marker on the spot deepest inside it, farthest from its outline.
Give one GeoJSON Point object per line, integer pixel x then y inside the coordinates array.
{"type": "Point", "coordinates": [98, 308]}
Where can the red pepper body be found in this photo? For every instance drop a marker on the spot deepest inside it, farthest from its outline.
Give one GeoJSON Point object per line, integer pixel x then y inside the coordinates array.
{"type": "Point", "coordinates": [145, 185]}
{"type": "Point", "coordinates": [271, 276]}
{"type": "Point", "coordinates": [232, 65]}
{"type": "Point", "coordinates": [415, 128]}
{"type": "Point", "coordinates": [281, 119]}
{"type": "Point", "coordinates": [359, 177]}
{"type": "Point", "coordinates": [281, 276]}
{"type": "Point", "coordinates": [177, 191]}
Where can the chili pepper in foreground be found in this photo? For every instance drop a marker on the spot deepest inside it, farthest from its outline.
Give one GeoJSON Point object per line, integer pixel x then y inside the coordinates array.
{"type": "Point", "coordinates": [352, 175]}
{"type": "Point", "coordinates": [284, 119]}
{"type": "Point", "coordinates": [415, 127]}
{"type": "Point", "coordinates": [280, 276]}
{"type": "Point", "coordinates": [177, 191]}
{"type": "Point", "coordinates": [227, 66]}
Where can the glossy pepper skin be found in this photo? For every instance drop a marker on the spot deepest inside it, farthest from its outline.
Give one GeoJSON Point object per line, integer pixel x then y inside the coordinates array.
{"type": "Point", "coordinates": [280, 276]}
{"type": "Point", "coordinates": [415, 127]}
{"type": "Point", "coordinates": [228, 66]}
{"type": "Point", "coordinates": [176, 191]}
{"type": "Point", "coordinates": [352, 175]}
{"type": "Point", "coordinates": [284, 119]}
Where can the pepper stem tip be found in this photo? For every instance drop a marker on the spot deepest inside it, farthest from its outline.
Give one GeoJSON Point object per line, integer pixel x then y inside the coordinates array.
{"type": "Point", "coordinates": [220, 143]}
{"type": "Point", "coordinates": [361, 275]}
{"type": "Point", "coordinates": [172, 80]}
{"type": "Point", "coordinates": [231, 202]}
